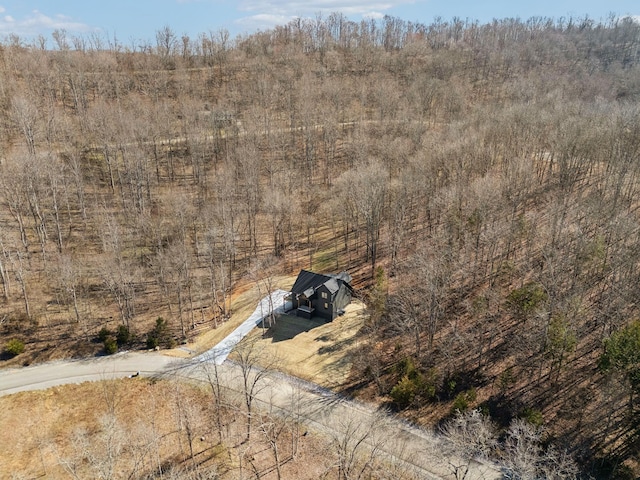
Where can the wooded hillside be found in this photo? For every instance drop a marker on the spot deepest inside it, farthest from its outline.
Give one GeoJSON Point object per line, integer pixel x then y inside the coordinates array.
{"type": "Point", "coordinates": [480, 182]}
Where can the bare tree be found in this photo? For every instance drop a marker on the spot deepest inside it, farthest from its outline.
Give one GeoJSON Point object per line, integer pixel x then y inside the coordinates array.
{"type": "Point", "coordinates": [118, 272]}
{"type": "Point", "coordinates": [25, 115]}
{"type": "Point", "coordinates": [14, 196]}
{"type": "Point", "coordinates": [255, 367]}
{"type": "Point", "coordinates": [69, 276]}
{"type": "Point", "coordinates": [526, 459]}
{"type": "Point", "coordinates": [273, 428]}
{"type": "Point", "coordinates": [97, 455]}
{"type": "Point", "coordinates": [263, 273]}
{"type": "Point", "coordinates": [166, 41]}
{"type": "Point", "coordinates": [281, 208]}
{"type": "Point", "coordinates": [357, 443]}
{"type": "Point", "coordinates": [173, 268]}
{"type": "Point", "coordinates": [57, 193]}
{"type": "Point", "coordinates": [365, 189]}
{"type": "Point", "coordinates": [216, 380]}
{"type": "Point", "coordinates": [73, 163]}
{"type": "Point", "coordinates": [468, 436]}
{"type": "Point", "coordinates": [188, 418]}
{"type": "Point", "coordinates": [217, 262]}
{"type": "Point", "coordinates": [20, 269]}
{"type": "Point", "coordinates": [4, 273]}
{"type": "Point", "coordinates": [432, 277]}
{"type": "Point", "coordinates": [406, 311]}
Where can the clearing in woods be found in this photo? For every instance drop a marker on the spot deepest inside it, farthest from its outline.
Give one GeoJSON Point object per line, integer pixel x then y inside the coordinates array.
{"type": "Point", "coordinates": [314, 350]}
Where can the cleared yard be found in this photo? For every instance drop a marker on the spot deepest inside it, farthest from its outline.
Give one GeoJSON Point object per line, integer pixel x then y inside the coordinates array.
{"type": "Point", "coordinates": [315, 350]}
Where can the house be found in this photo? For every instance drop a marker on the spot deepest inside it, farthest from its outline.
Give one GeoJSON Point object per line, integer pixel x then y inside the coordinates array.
{"type": "Point", "coordinates": [317, 295]}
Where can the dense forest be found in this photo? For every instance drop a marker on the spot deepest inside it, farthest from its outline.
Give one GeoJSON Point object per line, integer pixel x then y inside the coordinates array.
{"type": "Point", "coordinates": [481, 182]}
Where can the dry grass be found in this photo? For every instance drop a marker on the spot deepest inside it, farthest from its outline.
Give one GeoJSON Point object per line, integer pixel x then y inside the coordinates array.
{"type": "Point", "coordinates": [43, 423]}
{"type": "Point", "coordinates": [41, 429]}
{"type": "Point", "coordinates": [315, 350]}
{"type": "Point", "coordinates": [243, 303]}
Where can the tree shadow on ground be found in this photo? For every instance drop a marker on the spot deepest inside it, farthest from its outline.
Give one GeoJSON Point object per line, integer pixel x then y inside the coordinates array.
{"type": "Point", "coordinates": [335, 346]}
{"type": "Point", "coordinates": [287, 327]}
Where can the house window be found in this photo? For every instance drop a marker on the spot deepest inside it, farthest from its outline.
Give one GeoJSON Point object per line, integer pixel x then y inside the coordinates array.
{"type": "Point", "coordinates": [324, 294]}
{"type": "Point", "coordinates": [326, 306]}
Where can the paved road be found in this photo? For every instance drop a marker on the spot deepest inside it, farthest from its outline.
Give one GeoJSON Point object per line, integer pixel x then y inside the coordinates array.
{"type": "Point", "coordinates": [40, 377]}
{"type": "Point", "coordinates": [317, 407]}
{"type": "Point", "coordinates": [345, 420]}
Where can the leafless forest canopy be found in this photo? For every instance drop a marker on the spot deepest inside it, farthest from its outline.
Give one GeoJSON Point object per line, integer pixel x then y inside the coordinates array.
{"type": "Point", "coordinates": [481, 182]}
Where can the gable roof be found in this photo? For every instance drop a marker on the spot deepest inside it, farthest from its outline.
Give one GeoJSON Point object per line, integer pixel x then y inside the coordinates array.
{"type": "Point", "coordinates": [308, 282]}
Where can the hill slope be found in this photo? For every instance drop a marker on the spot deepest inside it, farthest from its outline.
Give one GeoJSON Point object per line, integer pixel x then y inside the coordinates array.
{"type": "Point", "coordinates": [490, 170]}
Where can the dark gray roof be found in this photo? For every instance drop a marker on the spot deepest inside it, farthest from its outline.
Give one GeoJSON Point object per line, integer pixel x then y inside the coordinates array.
{"type": "Point", "coordinates": [308, 282]}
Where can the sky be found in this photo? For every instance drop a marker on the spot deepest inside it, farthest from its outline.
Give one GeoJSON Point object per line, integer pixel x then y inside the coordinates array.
{"type": "Point", "coordinates": [132, 22]}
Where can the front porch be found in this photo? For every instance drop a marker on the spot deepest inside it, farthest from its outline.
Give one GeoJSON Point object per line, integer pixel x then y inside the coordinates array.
{"type": "Point", "coordinates": [305, 311]}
